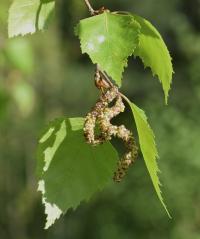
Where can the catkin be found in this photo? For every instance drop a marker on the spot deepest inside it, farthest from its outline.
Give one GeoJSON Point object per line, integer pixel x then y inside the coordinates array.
{"type": "Point", "coordinates": [101, 115]}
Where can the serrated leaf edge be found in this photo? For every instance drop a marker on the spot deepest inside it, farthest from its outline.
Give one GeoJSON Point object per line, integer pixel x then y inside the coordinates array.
{"type": "Point", "coordinates": [125, 64]}
{"type": "Point", "coordinates": [166, 92]}
{"type": "Point", "coordinates": [10, 35]}
{"type": "Point", "coordinates": [156, 171]}
{"type": "Point", "coordinates": [41, 184]}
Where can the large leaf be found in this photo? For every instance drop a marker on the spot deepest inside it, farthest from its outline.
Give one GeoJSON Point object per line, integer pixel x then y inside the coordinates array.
{"type": "Point", "coordinates": [69, 169]}
{"type": "Point", "coordinates": [148, 148]}
{"type": "Point", "coordinates": [27, 16]}
{"type": "Point", "coordinates": [154, 54]}
{"type": "Point", "coordinates": [109, 39]}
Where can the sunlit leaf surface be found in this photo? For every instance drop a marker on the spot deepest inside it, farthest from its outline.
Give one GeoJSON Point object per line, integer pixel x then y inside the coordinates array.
{"type": "Point", "coordinates": [148, 148]}
{"type": "Point", "coordinates": [27, 16]}
{"type": "Point", "coordinates": [154, 54]}
{"type": "Point", "coordinates": [70, 170]}
{"type": "Point", "coordinates": [109, 39]}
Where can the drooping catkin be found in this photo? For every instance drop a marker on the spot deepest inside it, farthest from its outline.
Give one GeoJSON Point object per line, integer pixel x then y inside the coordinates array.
{"type": "Point", "coordinates": [101, 115]}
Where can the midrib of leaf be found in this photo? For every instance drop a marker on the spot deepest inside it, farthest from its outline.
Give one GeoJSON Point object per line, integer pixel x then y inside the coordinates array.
{"type": "Point", "coordinates": [107, 30]}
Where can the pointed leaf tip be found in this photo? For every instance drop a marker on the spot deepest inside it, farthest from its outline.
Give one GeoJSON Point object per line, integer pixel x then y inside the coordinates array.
{"type": "Point", "coordinates": [154, 54]}
{"type": "Point", "coordinates": [148, 148]}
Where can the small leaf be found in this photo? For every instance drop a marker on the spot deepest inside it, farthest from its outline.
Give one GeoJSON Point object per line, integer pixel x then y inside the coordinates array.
{"type": "Point", "coordinates": [69, 169]}
{"type": "Point", "coordinates": [148, 148]}
{"type": "Point", "coordinates": [109, 39]}
{"type": "Point", "coordinates": [154, 54]}
{"type": "Point", "coordinates": [27, 16]}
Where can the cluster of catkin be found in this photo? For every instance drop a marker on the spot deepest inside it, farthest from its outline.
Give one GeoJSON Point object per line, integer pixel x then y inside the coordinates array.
{"type": "Point", "coordinates": [101, 116]}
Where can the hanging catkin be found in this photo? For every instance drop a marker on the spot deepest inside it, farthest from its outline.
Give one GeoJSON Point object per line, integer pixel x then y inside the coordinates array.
{"type": "Point", "coordinates": [102, 115]}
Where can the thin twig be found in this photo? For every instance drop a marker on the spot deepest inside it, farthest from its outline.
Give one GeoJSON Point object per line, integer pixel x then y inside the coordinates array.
{"type": "Point", "coordinates": [105, 76]}
{"type": "Point", "coordinates": [111, 84]}
{"type": "Point", "coordinates": [124, 97]}
{"type": "Point", "coordinates": [90, 8]}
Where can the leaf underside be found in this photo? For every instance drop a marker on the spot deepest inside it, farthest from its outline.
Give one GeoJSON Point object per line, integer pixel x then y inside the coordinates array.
{"type": "Point", "coordinates": [27, 16]}
{"type": "Point", "coordinates": [154, 54]}
{"type": "Point", "coordinates": [148, 148]}
{"type": "Point", "coordinates": [70, 170]}
{"type": "Point", "coordinates": [109, 39]}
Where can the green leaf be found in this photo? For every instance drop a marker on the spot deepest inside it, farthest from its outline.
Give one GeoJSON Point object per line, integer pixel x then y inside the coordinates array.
{"type": "Point", "coordinates": [154, 54]}
{"type": "Point", "coordinates": [27, 16]}
{"type": "Point", "coordinates": [109, 39]}
{"type": "Point", "coordinates": [148, 148]}
{"type": "Point", "coordinates": [69, 169]}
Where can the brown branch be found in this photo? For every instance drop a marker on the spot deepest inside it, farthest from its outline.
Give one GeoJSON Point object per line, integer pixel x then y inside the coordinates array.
{"type": "Point", "coordinates": [90, 8]}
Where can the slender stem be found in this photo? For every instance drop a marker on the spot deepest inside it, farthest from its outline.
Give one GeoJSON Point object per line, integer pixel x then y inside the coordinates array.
{"type": "Point", "coordinates": [90, 8]}
{"type": "Point", "coordinates": [111, 84]}
{"type": "Point", "coordinates": [125, 98]}
{"type": "Point", "coordinates": [105, 76]}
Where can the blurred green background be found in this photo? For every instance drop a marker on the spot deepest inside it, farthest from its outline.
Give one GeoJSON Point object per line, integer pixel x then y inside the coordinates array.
{"type": "Point", "coordinates": [44, 76]}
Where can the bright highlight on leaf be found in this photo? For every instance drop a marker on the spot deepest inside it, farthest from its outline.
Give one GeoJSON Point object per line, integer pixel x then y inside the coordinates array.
{"type": "Point", "coordinates": [69, 169]}
{"type": "Point", "coordinates": [154, 54]}
{"type": "Point", "coordinates": [148, 148]}
{"type": "Point", "coordinates": [27, 16]}
{"type": "Point", "coordinates": [109, 39]}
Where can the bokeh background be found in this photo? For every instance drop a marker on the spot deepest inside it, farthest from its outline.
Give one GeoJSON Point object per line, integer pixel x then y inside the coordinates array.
{"type": "Point", "coordinates": [44, 76]}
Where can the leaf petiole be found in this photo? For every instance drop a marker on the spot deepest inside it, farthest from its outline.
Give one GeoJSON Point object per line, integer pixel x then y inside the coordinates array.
{"type": "Point", "coordinates": [90, 8]}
